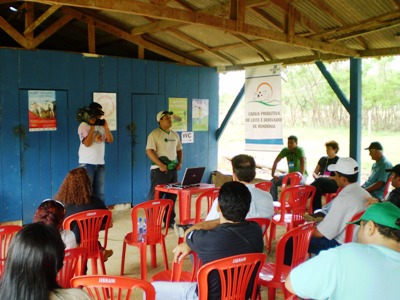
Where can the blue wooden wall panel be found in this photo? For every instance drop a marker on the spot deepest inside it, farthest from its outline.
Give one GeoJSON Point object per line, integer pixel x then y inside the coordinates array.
{"type": "Point", "coordinates": [142, 88]}
{"type": "Point", "coordinates": [124, 141]}
{"type": "Point", "coordinates": [10, 173]}
{"type": "Point", "coordinates": [108, 81]}
{"type": "Point", "coordinates": [76, 99]}
{"type": "Point", "coordinates": [151, 77]}
{"type": "Point", "coordinates": [138, 76]}
{"type": "Point", "coordinates": [59, 143]}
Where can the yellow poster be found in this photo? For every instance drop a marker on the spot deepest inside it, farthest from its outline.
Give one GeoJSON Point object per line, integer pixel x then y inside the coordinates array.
{"type": "Point", "coordinates": [179, 108]}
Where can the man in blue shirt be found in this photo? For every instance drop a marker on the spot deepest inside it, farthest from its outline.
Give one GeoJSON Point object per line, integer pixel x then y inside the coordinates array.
{"type": "Point", "coordinates": [375, 184]}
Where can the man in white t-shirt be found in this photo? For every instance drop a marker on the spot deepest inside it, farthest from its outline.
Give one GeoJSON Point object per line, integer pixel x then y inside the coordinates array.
{"type": "Point", "coordinates": [93, 136]}
{"type": "Point", "coordinates": [164, 149]}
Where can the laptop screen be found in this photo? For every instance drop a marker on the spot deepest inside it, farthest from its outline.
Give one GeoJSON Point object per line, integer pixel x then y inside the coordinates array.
{"type": "Point", "coordinates": [193, 176]}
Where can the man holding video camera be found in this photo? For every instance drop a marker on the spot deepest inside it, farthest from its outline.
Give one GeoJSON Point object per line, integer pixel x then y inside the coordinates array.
{"type": "Point", "coordinates": [94, 133]}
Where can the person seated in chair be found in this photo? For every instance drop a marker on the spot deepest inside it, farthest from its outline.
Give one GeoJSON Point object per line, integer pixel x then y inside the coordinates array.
{"type": "Point", "coordinates": [296, 160]}
{"type": "Point", "coordinates": [394, 195]}
{"type": "Point", "coordinates": [365, 270]}
{"type": "Point", "coordinates": [244, 171]}
{"type": "Point", "coordinates": [330, 232]}
{"type": "Point", "coordinates": [34, 258]}
{"type": "Point", "coordinates": [375, 184]}
{"type": "Point", "coordinates": [211, 240]}
{"type": "Point", "coordinates": [324, 179]}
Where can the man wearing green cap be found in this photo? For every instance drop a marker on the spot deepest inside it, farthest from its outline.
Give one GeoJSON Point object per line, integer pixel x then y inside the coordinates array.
{"type": "Point", "coordinates": [365, 270]}
{"type": "Point", "coordinates": [164, 149]}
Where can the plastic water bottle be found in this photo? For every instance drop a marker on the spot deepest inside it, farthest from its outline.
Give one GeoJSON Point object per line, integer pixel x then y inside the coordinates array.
{"type": "Point", "coordinates": [139, 230]}
{"type": "Point", "coordinates": [144, 229]}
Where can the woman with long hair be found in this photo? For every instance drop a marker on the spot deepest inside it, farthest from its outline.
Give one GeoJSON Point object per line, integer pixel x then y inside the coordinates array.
{"type": "Point", "coordinates": [76, 194]}
{"type": "Point", "coordinates": [34, 258]}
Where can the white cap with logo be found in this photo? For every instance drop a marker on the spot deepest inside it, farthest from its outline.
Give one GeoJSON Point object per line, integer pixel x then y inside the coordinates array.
{"type": "Point", "coordinates": [345, 165]}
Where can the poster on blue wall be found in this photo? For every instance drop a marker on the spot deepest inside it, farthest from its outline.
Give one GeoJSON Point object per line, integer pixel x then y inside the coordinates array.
{"type": "Point", "coordinates": [108, 101]}
{"type": "Point", "coordinates": [200, 114]}
{"type": "Point", "coordinates": [42, 110]}
{"type": "Point", "coordinates": [179, 117]}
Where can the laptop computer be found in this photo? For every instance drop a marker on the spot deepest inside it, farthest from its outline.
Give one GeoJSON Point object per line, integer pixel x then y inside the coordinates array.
{"type": "Point", "coordinates": [192, 177]}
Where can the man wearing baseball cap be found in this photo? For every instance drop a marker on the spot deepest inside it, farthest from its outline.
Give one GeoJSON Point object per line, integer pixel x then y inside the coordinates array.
{"type": "Point", "coordinates": [330, 231]}
{"type": "Point", "coordinates": [375, 183]}
{"type": "Point", "coordinates": [164, 149]}
{"type": "Point", "coordinates": [365, 270]}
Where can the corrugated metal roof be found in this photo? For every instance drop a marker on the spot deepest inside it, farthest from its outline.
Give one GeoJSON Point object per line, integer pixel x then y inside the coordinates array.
{"type": "Point", "coordinates": [218, 33]}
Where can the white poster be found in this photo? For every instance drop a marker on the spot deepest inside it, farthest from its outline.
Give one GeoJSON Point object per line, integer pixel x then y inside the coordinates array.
{"type": "Point", "coordinates": [109, 103]}
{"type": "Point", "coordinates": [263, 108]}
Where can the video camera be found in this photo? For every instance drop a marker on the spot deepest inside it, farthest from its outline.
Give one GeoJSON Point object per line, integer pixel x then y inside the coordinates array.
{"type": "Point", "coordinates": [85, 114]}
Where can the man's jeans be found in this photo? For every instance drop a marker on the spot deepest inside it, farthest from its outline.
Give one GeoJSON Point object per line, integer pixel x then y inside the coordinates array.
{"type": "Point", "coordinates": [274, 187]}
{"type": "Point", "coordinates": [96, 174]}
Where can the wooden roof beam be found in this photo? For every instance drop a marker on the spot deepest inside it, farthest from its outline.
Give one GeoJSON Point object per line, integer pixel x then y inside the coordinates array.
{"type": "Point", "coordinates": [49, 31]}
{"type": "Point", "coordinates": [133, 39]}
{"type": "Point", "coordinates": [258, 49]}
{"type": "Point", "coordinates": [13, 33]}
{"type": "Point", "coordinates": [200, 45]}
{"type": "Point", "coordinates": [52, 9]}
{"type": "Point", "coordinates": [200, 18]}
{"type": "Point", "coordinates": [369, 24]}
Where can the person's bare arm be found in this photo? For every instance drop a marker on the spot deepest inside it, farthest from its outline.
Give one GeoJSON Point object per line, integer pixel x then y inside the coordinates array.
{"type": "Point", "coordinates": [302, 165]}
{"type": "Point", "coordinates": [316, 171]}
{"type": "Point", "coordinates": [109, 136]}
{"type": "Point", "coordinates": [154, 158]}
{"type": "Point", "coordinates": [277, 160]}
{"type": "Point", "coordinates": [206, 225]}
{"type": "Point", "coordinates": [181, 251]}
{"type": "Point", "coordinates": [179, 154]}
{"type": "Point", "coordinates": [88, 140]}
{"type": "Point", "coordinates": [317, 234]}
{"type": "Point", "coordinates": [375, 186]}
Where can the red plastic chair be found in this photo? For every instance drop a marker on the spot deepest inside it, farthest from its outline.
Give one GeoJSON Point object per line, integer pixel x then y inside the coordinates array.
{"type": "Point", "coordinates": [204, 198]}
{"type": "Point", "coordinates": [348, 235]}
{"type": "Point", "coordinates": [264, 224]}
{"type": "Point", "coordinates": [297, 198]}
{"type": "Point", "coordinates": [387, 186]}
{"type": "Point", "coordinates": [90, 222]}
{"type": "Point", "coordinates": [101, 287]}
{"type": "Point", "coordinates": [330, 196]}
{"type": "Point", "coordinates": [176, 274]}
{"type": "Point", "coordinates": [235, 273]}
{"type": "Point", "coordinates": [154, 211]}
{"type": "Point", "coordinates": [74, 265]}
{"type": "Point", "coordinates": [264, 185]}
{"type": "Point", "coordinates": [293, 179]}
{"type": "Point", "coordinates": [273, 275]}
{"type": "Point", "coordinates": [7, 232]}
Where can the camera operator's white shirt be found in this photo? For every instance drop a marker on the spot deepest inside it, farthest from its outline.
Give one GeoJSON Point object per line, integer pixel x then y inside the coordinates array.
{"type": "Point", "coordinates": [94, 154]}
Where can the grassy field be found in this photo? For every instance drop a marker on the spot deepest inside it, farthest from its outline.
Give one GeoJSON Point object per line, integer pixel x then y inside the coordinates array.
{"type": "Point", "coordinates": [313, 141]}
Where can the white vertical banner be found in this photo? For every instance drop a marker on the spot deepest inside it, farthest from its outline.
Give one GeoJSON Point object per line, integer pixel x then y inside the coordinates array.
{"type": "Point", "coordinates": [263, 108]}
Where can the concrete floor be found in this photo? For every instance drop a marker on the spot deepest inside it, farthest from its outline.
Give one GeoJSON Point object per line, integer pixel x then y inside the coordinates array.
{"type": "Point", "coordinates": [122, 225]}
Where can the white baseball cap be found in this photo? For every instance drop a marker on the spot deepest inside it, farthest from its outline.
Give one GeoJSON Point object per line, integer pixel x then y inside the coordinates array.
{"type": "Point", "coordinates": [345, 165]}
{"type": "Point", "coordinates": [162, 114]}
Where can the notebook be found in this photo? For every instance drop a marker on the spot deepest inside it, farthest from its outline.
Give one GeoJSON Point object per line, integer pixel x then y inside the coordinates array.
{"type": "Point", "coordinates": [192, 177]}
